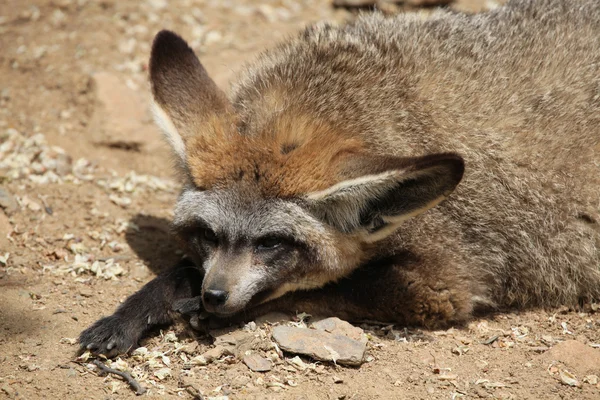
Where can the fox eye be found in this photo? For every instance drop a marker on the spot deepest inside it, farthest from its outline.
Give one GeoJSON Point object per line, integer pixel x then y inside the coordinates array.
{"type": "Point", "coordinates": [208, 235]}
{"type": "Point", "coordinates": [268, 243]}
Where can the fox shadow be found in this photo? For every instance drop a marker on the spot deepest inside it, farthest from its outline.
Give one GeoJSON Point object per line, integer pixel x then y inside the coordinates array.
{"type": "Point", "coordinates": [151, 240]}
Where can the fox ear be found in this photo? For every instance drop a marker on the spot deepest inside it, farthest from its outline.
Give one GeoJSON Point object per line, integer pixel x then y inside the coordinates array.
{"type": "Point", "coordinates": [386, 191]}
{"type": "Point", "coordinates": [185, 97]}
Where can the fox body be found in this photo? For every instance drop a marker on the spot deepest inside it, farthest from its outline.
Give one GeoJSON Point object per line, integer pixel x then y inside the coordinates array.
{"type": "Point", "coordinates": [320, 184]}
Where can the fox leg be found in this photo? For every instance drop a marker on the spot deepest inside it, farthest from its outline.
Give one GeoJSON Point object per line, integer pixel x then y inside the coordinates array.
{"type": "Point", "coordinates": [151, 306]}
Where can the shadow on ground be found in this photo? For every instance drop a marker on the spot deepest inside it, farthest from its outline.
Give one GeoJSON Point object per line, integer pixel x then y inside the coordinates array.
{"type": "Point", "coordinates": [153, 242]}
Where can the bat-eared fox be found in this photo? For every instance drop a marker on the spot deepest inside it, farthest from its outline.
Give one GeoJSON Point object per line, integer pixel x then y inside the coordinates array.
{"type": "Point", "coordinates": [392, 169]}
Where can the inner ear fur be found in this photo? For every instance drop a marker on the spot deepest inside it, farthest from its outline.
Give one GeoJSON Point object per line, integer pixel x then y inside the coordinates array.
{"type": "Point", "coordinates": [186, 99]}
{"type": "Point", "coordinates": [379, 193]}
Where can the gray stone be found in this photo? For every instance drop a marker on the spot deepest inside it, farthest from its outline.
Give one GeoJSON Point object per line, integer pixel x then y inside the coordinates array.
{"type": "Point", "coordinates": [236, 341]}
{"type": "Point", "coordinates": [339, 327]}
{"type": "Point", "coordinates": [320, 345]}
{"type": "Point", "coordinates": [257, 363]}
{"type": "Point", "coordinates": [211, 355]}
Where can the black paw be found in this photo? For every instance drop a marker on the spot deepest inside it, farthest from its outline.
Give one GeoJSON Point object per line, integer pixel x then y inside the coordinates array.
{"type": "Point", "coordinates": [109, 336]}
{"type": "Point", "coordinates": [191, 308]}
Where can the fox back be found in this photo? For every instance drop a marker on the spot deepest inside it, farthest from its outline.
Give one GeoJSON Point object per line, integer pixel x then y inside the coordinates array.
{"type": "Point", "coordinates": [342, 145]}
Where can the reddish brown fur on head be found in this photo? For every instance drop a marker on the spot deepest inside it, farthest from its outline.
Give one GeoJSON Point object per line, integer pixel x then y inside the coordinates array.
{"type": "Point", "coordinates": [292, 156]}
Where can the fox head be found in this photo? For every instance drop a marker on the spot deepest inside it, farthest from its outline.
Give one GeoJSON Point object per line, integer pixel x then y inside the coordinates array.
{"type": "Point", "coordinates": [290, 206]}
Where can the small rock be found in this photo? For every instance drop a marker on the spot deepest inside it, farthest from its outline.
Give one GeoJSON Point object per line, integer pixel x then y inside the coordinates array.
{"type": "Point", "coordinates": [257, 363]}
{"type": "Point", "coordinates": [86, 293]}
{"type": "Point", "coordinates": [448, 377]}
{"type": "Point", "coordinates": [298, 363]}
{"type": "Point", "coordinates": [339, 327]}
{"type": "Point", "coordinates": [591, 379]}
{"type": "Point", "coordinates": [215, 353]}
{"type": "Point", "coordinates": [250, 326]}
{"type": "Point", "coordinates": [337, 379]}
{"type": "Point", "coordinates": [568, 378]}
{"type": "Point", "coordinates": [30, 204]}
{"type": "Point", "coordinates": [580, 358]}
{"type": "Point", "coordinates": [7, 202]}
{"type": "Point", "coordinates": [320, 345]}
{"type": "Point", "coordinates": [162, 373]}
{"type": "Point", "coordinates": [237, 341]}
{"type": "Point", "coordinates": [211, 355]}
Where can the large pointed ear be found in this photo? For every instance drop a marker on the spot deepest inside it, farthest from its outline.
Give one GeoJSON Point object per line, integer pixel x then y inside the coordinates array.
{"type": "Point", "coordinates": [185, 97]}
{"type": "Point", "coordinates": [386, 191]}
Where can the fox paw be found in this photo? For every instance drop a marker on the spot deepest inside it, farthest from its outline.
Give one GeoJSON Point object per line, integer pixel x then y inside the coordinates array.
{"type": "Point", "coordinates": [109, 336]}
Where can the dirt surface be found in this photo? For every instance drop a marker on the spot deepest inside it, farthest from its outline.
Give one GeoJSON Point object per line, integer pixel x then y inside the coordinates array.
{"type": "Point", "coordinates": [87, 193]}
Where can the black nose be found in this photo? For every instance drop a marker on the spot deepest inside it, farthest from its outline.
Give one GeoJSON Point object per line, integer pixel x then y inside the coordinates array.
{"type": "Point", "coordinates": [214, 298]}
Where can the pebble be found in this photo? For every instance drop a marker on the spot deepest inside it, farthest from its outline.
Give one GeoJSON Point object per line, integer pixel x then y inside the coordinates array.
{"type": "Point", "coordinates": [339, 327]}
{"type": "Point", "coordinates": [320, 345]}
{"type": "Point", "coordinates": [30, 204]}
{"type": "Point", "coordinates": [237, 342]}
{"type": "Point", "coordinates": [257, 363]}
{"type": "Point", "coordinates": [163, 373]}
{"type": "Point", "coordinates": [211, 355]}
{"type": "Point", "coordinates": [568, 378]}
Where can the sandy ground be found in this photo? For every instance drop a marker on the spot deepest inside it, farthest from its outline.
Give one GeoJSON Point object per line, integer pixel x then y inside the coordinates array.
{"type": "Point", "coordinates": [88, 193]}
